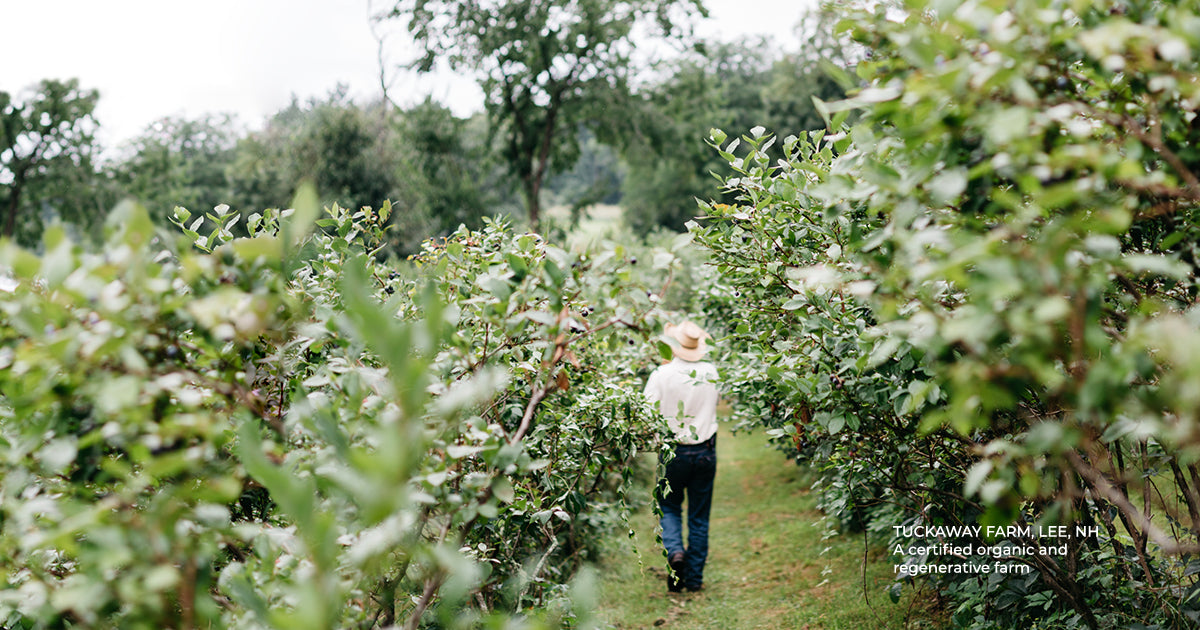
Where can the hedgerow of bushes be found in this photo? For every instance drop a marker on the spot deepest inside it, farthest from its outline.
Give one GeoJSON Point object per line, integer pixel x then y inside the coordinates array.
{"type": "Point", "coordinates": [283, 431]}
{"type": "Point", "coordinates": [972, 299]}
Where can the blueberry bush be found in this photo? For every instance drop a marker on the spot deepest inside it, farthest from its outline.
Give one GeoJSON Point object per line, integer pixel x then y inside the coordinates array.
{"type": "Point", "coordinates": [283, 430]}
{"type": "Point", "coordinates": [971, 299]}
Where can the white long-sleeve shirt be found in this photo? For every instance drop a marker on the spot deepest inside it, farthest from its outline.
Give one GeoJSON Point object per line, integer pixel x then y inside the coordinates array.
{"type": "Point", "coordinates": [686, 392]}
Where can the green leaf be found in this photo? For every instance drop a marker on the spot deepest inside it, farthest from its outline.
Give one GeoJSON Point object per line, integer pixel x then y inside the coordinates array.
{"type": "Point", "coordinates": [130, 224]}
{"type": "Point", "coordinates": [59, 261]}
{"type": "Point", "coordinates": [58, 454]}
{"type": "Point", "coordinates": [976, 476]}
{"type": "Point", "coordinates": [265, 248]}
{"type": "Point", "coordinates": [822, 111]}
{"type": "Point", "coordinates": [557, 278]}
{"type": "Point", "coordinates": [518, 265]}
{"type": "Point", "coordinates": [794, 304]}
{"type": "Point", "coordinates": [302, 216]}
{"type": "Point", "coordinates": [681, 241]}
{"type": "Point", "coordinates": [663, 260]}
{"type": "Point", "coordinates": [502, 489]}
{"type": "Point", "coordinates": [457, 451]}
{"type": "Point", "coordinates": [1156, 264]}
{"type": "Point", "coordinates": [946, 186]}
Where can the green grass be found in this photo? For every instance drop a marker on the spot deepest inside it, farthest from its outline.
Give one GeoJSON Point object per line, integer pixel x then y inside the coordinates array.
{"type": "Point", "coordinates": [597, 223]}
{"type": "Point", "coordinates": [768, 565]}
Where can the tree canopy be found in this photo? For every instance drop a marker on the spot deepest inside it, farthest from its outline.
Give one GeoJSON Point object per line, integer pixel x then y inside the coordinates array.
{"type": "Point", "coordinates": [734, 86]}
{"type": "Point", "coordinates": [46, 150]}
{"type": "Point", "coordinates": [179, 161]}
{"type": "Point", "coordinates": [545, 67]}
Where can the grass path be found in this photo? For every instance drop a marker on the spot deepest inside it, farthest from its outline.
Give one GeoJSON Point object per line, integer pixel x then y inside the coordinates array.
{"type": "Point", "coordinates": [768, 566]}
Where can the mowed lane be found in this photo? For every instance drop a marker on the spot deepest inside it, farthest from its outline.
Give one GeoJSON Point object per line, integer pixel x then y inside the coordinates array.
{"type": "Point", "coordinates": [769, 567]}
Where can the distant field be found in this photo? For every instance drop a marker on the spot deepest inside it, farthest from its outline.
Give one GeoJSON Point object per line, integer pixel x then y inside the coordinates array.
{"type": "Point", "coordinates": [598, 221]}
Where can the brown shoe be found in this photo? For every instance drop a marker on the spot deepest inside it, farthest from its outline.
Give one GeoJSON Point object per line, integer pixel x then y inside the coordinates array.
{"type": "Point", "coordinates": [675, 575]}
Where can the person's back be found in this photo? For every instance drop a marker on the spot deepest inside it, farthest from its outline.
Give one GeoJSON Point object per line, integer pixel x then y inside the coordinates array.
{"type": "Point", "coordinates": [686, 392]}
{"type": "Point", "coordinates": [687, 395]}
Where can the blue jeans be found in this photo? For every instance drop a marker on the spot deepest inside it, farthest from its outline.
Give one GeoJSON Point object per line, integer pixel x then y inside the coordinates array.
{"type": "Point", "coordinates": [691, 473]}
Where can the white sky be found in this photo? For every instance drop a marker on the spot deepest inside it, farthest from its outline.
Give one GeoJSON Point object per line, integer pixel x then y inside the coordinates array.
{"type": "Point", "coordinates": [156, 58]}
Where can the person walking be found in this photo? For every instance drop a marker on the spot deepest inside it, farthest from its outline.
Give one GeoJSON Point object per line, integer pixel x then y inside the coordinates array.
{"type": "Point", "coordinates": [685, 390]}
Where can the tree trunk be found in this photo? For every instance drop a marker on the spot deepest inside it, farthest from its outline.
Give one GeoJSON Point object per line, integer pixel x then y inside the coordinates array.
{"type": "Point", "coordinates": [533, 204]}
{"type": "Point", "coordinates": [534, 183]}
{"type": "Point", "coordinates": [14, 199]}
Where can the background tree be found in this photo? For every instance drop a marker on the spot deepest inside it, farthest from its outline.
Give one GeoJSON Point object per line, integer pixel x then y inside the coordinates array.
{"type": "Point", "coordinates": [595, 177]}
{"type": "Point", "coordinates": [718, 85]}
{"type": "Point", "coordinates": [733, 86]}
{"type": "Point", "coordinates": [435, 168]}
{"type": "Point", "coordinates": [545, 67]}
{"type": "Point", "coordinates": [46, 149]}
{"type": "Point", "coordinates": [448, 176]}
{"type": "Point", "coordinates": [179, 162]}
{"type": "Point", "coordinates": [347, 151]}
{"type": "Point", "coordinates": [261, 173]}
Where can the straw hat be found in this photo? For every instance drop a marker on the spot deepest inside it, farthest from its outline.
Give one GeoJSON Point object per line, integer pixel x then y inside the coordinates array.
{"type": "Point", "coordinates": [689, 339]}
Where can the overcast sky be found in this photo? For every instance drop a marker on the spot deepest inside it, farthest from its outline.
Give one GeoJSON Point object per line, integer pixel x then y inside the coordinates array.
{"type": "Point", "coordinates": [155, 58]}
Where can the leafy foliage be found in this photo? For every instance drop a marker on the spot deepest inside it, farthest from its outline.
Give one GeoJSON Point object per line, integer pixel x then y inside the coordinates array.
{"type": "Point", "coordinates": [975, 303]}
{"type": "Point", "coordinates": [734, 86]}
{"type": "Point", "coordinates": [46, 147]}
{"type": "Point", "coordinates": [277, 430]}
{"type": "Point", "coordinates": [179, 162]}
{"type": "Point", "coordinates": [545, 68]}
{"type": "Point", "coordinates": [447, 175]}
{"type": "Point", "coordinates": [348, 152]}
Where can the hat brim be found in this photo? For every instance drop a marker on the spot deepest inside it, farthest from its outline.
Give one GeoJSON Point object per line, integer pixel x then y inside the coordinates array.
{"type": "Point", "coordinates": [690, 354]}
{"type": "Point", "coordinates": [687, 354]}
